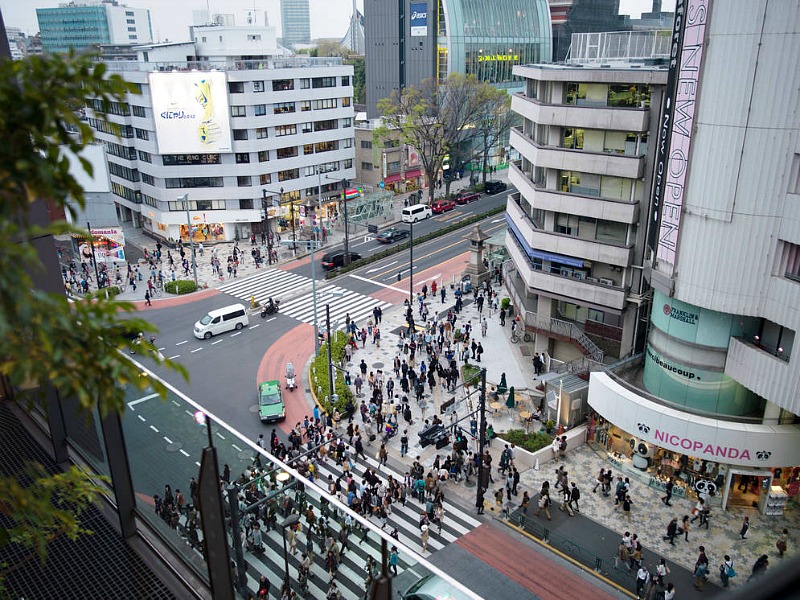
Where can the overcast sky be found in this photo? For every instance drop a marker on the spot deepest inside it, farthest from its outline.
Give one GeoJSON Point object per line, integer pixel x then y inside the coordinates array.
{"type": "Point", "coordinates": [171, 18]}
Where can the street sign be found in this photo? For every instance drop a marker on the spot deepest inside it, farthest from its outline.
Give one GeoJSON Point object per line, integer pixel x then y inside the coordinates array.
{"type": "Point", "coordinates": [381, 185]}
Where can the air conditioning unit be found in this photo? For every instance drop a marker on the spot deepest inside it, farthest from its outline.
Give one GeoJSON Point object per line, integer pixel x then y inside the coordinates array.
{"type": "Point", "coordinates": [592, 279]}
{"type": "Point", "coordinates": [606, 281]}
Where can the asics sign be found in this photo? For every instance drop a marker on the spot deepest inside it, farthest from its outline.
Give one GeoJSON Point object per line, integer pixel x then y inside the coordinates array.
{"type": "Point", "coordinates": [419, 19]}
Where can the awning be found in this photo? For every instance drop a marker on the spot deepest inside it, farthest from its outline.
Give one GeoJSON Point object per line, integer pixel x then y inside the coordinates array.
{"type": "Point", "coordinates": [413, 173]}
{"type": "Point", "coordinates": [391, 179]}
{"type": "Point", "coordinates": [541, 254]}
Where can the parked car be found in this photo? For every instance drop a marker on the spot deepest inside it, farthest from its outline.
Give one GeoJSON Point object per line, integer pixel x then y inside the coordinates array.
{"type": "Point", "coordinates": [492, 187]}
{"type": "Point", "coordinates": [270, 402]}
{"type": "Point", "coordinates": [334, 260]}
{"type": "Point", "coordinates": [464, 196]}
{"type": "Point", "coordinates": [391, 235]}
{"type": "Point", "coordinates": [442, 206]}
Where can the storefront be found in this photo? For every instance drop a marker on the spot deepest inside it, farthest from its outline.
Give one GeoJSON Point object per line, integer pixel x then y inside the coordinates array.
{"type": "Point", "coordinates": [738, 464]}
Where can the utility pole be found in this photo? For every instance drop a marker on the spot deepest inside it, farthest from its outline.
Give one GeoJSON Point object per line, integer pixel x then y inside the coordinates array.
{"type": "Point", "coordinates": [345, 183]}
{"type": "Point", "coordinates": [94, 259]}
{"type": "Point", "coordinates": [185, 199]}
{"type": "Point", "coordinates": [330, 355]}
{"type": "Point", "coordinates": [411, 265]}
{"type": "Point", "coordinates": [481, 442]}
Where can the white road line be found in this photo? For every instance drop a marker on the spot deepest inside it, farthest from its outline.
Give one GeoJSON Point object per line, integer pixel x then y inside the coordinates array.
{"type": "Point", "coordinates": [217, 342]}
{"type": "Point", "coordinates": [271, 320]}
{"type": "Point", "coordinates": [133, 403]}
{"type": "Point", "coordinates": [235, 334]}
{"type": "Point", "coordinates": [153, 428]}
{"type": "Point", "coordinates": [190, 413]}
{"type": "Point", "coordinates": [142, 419]}
{"type": "Point", "coordinates": [394, 262]}
{"type": "Point", "coordinates": [174, 357]}
{"type": "Point", "coordinates": [236, 447]}
{"type": "Point", "coordinates": [390, 287]}
{"type": "Point", "coordinates": [220, 435]}
{"type": "Point", "coordinates": [184, 452]}
{"type": "Point", "coordinates": [196, 350]}
{"type": "Point", "coordinates": [254, 326]}
{"type": "Point", "coordinates": [162, 348]}
{"type": "Point", "coordinates": [183, 342]}
{"type": "Point", "coordinates": [169, 441]}
{"type": "Point", "coordinates": [198, 464]}
{"type": "Point", "coordinates": [176, 403]}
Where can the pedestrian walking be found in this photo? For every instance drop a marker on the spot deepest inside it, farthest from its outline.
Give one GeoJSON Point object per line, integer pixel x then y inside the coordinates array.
{"type": "Point", "coordinates": [760, 567]}
{"type": "Point", "coordinates": [781, 544]}
{"type": "Point", "coordinates": [554, 448]}
{"type": "Point", "coordinates": [700, 568]}
{"type": "Point", "coordinates": [599, 480]}
{"type": "Point", "coordinates": [423, 538]}
{"type": "Point", "coordinates": [544, 505]}
{"type": "Point", "coordinates": [685, 527]}
{"type": "Point", "coordinates": [745, 528]}
{"type": "Point", "coordinates": [575, 495]}
{"type": "Point", "coordinates": [147, 298]}
{"type": "Point", "coordinates": [565, 498]}
{"type": "Point", "coordinates": [626, 507]}
{"type": "Point", "coordinates": [622, 555]}
{"type": "Point", "coordinates": [526, 501]}
{"type": "Point", "coordinates": [672, 531]}
{"type": "Point", "coordinates": [669, 592]}
{"type": "Point", "coordinates": [726, 571]}
{"type": "Point", "coordinates": [642, 578]}
{"type": "Point", "coordinates": [662, 570]}
{"type": "Point", "coordinates": [668, 488]}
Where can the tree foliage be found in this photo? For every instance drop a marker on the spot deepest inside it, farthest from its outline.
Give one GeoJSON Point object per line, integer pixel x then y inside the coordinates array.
{"type": "Point", "coordinates": [433, 118]}
{"type": "Point", "coordinates": [493, 121]}
{"type": "Point", "coordinates": [79, 348]}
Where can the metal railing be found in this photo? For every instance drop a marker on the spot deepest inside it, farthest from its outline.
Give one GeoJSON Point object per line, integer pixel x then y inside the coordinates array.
{"type": "Point", "coordinates": [224, 65]}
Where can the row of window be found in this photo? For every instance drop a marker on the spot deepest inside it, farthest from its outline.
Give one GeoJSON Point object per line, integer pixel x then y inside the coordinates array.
{"type": "Point", "coordinates": [123, 131]}
{"type": "Point", "coordinates": [280, 108]}
{"type": "Point", "coordinates": [120, 109]}
{"type": "Point", "coordinates": [285, 85]}
{"type": "Point", "coordinates": [124, 172]}
{"type": "Point", "coordinates": [120, 151]}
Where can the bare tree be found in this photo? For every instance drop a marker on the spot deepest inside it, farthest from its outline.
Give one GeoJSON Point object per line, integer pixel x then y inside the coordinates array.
{"type": "Point", "coordinates": [433, 118]}
{"type": "Point", "coordinates": [493, 121]}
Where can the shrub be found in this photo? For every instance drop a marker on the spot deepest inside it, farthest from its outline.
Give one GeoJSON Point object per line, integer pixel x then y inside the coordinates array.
{"type": "Point", "coordinates": [471, 375]}
{"type": "Point", "coordinates": [319, 369]}
{"type": "Point", "coordinates": [181, 286]}
{"type": "Point", "coordinates": [528, 441]}
{"type": "Point", "coordinates": [505, 303]}
{"type": "Point", "coordinates": [112, 291]}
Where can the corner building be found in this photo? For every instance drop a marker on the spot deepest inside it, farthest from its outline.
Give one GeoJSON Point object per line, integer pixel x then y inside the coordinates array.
{"type": "Point", "coordinates": [713, 399]}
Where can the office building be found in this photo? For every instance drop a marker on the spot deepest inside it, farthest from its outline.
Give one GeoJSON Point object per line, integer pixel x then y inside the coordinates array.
{"type": "Point", "coordinates": [433, 39]}
{"type": "Point", "coordinates": [388, 161]}
{"type": "Point", "coordinates": [295, 23]}
{"type": "Point", "coordinates": [228, 132]}
{"type": "Point", "coordinates": [86, 25]}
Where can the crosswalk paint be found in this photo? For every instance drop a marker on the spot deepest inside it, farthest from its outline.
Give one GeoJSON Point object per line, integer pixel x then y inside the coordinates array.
{"type": "Point", "coordinates": [269, 283]}
{"type": "Point", "coordinates": [341, 302]}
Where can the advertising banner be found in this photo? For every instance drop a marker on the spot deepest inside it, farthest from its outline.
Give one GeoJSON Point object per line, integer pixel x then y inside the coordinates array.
{"type": "Point", "coordinates": [191, 112]}
{"type": "Point", "coordinates": [419, 19]}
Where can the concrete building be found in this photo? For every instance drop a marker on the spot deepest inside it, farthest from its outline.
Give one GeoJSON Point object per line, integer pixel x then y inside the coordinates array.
{"type": "Point", "coordinates": [410, 41]}
{"type": "Point", "coordinates": [578, 222]}
{"type": "Point", "coordinates": [228, 132]}
{"type": "Point", "coordinates": [89, 24]}
{"type": "Point", "coordinates": [391, 161]}
{"type": "Point", "coordinates": [295, 23]}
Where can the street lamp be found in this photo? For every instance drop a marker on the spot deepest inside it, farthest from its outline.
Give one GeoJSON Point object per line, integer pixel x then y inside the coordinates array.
{"type": "Point", "coordinates": [290, 521]}
{"type": "Point", "coordinates": [185, 199]}
{"type": "Point", "coordinates": [411, 264]}
{"type": "Point", "coordinates": [345, 183]}
{"type": "Point", "coordinates": [268, 230]}
{"type": "Point", "coordinates": [309, 206]}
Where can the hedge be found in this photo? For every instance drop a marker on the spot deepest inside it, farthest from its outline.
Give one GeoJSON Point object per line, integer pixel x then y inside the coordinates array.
{"type": "Point", "coordinates": [181, 286]}
{"type": "Point", "coordinates": [112, 291]}
{"type": "Point", "coordinates": [528, 441]}
{"type": "Point", "coordinates": [319, 368]}
{"type": "Point", "coordinates": [419, 240]}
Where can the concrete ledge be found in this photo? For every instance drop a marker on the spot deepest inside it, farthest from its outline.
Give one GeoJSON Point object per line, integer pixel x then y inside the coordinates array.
{"type": "Point", "coordinates": [525, 460]}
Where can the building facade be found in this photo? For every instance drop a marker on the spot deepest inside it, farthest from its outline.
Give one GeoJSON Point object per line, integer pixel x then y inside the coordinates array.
{"type": "Point", "coordinates": [85, 25]}
{"type": "Point", "coordinates": [295, 23]}
{"type": "Point", "coordinates": [389, 161]}
{"type": "Point", "coordinates": [410, 41]}
{"type": "Point", "coordinates": [244, 141]}
{"type": "Point", "coordinates": [578, 220]}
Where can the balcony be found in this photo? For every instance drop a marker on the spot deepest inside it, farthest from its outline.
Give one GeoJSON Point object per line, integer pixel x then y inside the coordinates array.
{"type": "Point", "coordinates": [553, 157]}
{"type": "Point", "coordinates": [575, 204]}
{"type": "Point", "coordinates": [771, 376]}
{"type": "Point", "coordinates": [564, 286]}
{"type": "Point", "coordinates": [557, 243]}
{"type": "Point", "coordinates": [586, 117]}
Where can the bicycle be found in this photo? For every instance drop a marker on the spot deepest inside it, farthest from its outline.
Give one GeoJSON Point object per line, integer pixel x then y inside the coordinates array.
{"type": "Point", "coordinates": [514, 337]}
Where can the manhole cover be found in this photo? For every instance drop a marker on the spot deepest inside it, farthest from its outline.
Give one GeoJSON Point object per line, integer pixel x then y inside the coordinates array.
{"type": "Point", "coordinates": [377, 365]}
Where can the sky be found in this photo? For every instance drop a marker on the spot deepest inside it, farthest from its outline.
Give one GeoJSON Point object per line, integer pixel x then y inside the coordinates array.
{"type": "Point", "coordinates": [171, 18]}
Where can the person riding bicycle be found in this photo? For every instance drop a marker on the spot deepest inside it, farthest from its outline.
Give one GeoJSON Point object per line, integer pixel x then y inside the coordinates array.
{"type": "Point", "coordinates": [150, 286]}
{"type": "Point", "coordinates": [270, 305]}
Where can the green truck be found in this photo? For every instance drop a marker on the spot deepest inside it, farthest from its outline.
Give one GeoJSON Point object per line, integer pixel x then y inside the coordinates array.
{"type": "Point", "coordinates": [270, 402]}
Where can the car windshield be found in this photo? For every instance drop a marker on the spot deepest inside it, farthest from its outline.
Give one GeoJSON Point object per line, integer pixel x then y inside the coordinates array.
{"type": "Point", "coordinates": [205, 320]}
{"type": "Point", "coordinates": [269, 398]}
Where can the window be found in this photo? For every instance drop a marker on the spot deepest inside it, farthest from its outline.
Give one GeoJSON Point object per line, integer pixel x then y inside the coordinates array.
{"type": "Point", "coordinates": [345, 102]}
{"type": "Point", "coordinates": [142, 134]}
{"type": "Point", "coordinates": [282, 130]}
{"type": "Point", "coordinates": [323, 82]}
{"type": "Point", "coordinates": [366, 166]}
{"type": "Point", "coordinates": [306, 128]}
{"type": "Point", "coordinates": [124, 131]}
{"type": "Point", "coordinates": [347, 143]}
{"type": "Point", "coordinates": [193, 182]}
{"type": "Point", "coordinates": [120, 151]}
{"type": "Point", "coordinates": [246, 204]}
{"type": "Point", "coordinates": [326, 146]}
{"type": "Point", "coordinates": [305, 84]}
{"type": "Point", "coordinates": [391, 144]}
{"type": "Point", "coordinates": [138, 111]}
{"type": "Point", "coordinates": [348, 164]}
{"type": "Point", "coordinates": [264, 179]}
{"type": "Point", "coordinates": [263, 155]}
{"type": "Point", "coordinates": [289, 152]}
{"type": "Point", "coordinates": [282, 85]}
{"type": "Point", "coordinates": [123, 192]}
{"type": "Point", "coordinates": [261, 133]}
{"type": "Point", "coordinates": [240, 134]}
{"type": "Point", "coordinates": [236, 87]}
{"type": "Point", "coordinates": [242, 158]}
{"type": "Point", "coordinates": [170, 160]}
{"type": "Point", "coordinates": [345, 80]}
{"type": "Point", "coordinates": [238, 111]}
{"type": "Point", "coordinates": [258, 86]}
{"type": "Point", "coordinates": [145, 156]}
{"type": "Point", "coordinates": [308, 149]}
{"type": "Point", "coordinates": [244, 181]}
{"type": "Point", "coordinates": [148, 179]}
{"type": "Point", "coordinates": [197, 205]}
{"type": "Point", "coordinates": [788, 260]}
{"type": "Point", "coordinates": [124, 172]}
{"type": "Point", "coordinates": [288, 174]}
{"type": "Point", "coordinates": [366, 144]}
{"type": "Point", "coordinates": [305, 105]}
{"type": "Point", "coordinates": [260, 110]}
{"type": "Point", "coordinates": [393, 167]}
{"type": "Point", "coordinates": [325, 103]}
{"type": "Point", "coordinates": [326, 125]}
{"type": "Point", "coordinates": [253, 37]}
{"type": "Point", "coordinates": [280, 108]}
{"type": "Point", "coordinates": [348, 122]}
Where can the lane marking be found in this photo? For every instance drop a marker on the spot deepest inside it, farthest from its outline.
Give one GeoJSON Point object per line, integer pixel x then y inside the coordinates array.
{"type": "Point", "coordinates": [183, 342]}
{"type": "Point", "coordinates": [222, 437]}
{"type": "Point", "coordinates": [217, 342]}
{"type": "Point", "coordinates": [190, 413]}
{"type": "Point", "coordinates": [271, 320]}
{"type": "Point", "coordinates": [394, 262]}
{"type": "Point", "coordinates": [169, 441]}
{"type": "Point", "coordinates": [184, 452]}
{"type": "Point", "coordinates": [153, 428]}
{"type": "Point", "coordinates": [236, 447]}
{"type": "Point", "coordinates": [162, 348]}
{"type": "Point", "coordinates": [196, 350]}
{"type": "Point", "coordinates": [385, 285]}
{"type": "Point", "coordinates": [198, 464]}
{"type": "Point", "coordinates": [133, 403]}
{"type": "Point", "coordinates": [254, 326]}
{"type": "Point", "coordinates": [142, 419]}
{"type": "Point", "coordinates": [176, 403]}
{"type": "Point", "coordinates": [174, 357]}
{"type": "Point", "coordinates": [235, 334]}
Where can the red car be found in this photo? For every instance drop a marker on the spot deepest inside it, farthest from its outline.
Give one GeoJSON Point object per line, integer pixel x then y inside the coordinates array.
{"type": "Point", "coordinates": [465, 197]}
{"type": "Point", "coordinates": [441, 206]}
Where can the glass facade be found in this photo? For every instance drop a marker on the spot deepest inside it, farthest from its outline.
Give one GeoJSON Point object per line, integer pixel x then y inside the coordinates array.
{"type": "Point", "coordinates": [73, 27]}
{"type": "Point", "coordinates": [486, 39]}
{"type": "Point", "coordinates": [295, 22]}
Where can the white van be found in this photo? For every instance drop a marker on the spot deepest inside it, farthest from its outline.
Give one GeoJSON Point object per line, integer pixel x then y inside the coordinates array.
{"type": "Point", "coordinates": [221, 320]}
{"type": "Point", "coordinates": [417, 212]}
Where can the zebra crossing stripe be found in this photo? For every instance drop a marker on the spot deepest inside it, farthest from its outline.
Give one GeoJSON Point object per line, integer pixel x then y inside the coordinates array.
{"type": "Point", "coordinates": [270, 283]}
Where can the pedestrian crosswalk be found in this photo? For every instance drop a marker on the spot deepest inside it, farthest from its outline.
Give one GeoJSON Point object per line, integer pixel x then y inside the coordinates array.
{"type": "Point", "coordinates": [268, 283]}
{"type": "Point", "coordinates": [351, 574]}
{"type": "Point", "coordinates": [341, 302]}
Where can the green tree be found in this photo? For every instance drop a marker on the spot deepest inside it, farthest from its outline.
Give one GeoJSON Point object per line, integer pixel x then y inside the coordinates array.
{"type": "Point", "coordinates": [359, 78]}
{"type": "Point", "coordinates": [493, 121]}
{"type": "Point", "coordinates": [433, 118]}
{"type": "Point", "coordinates": [77, 347]}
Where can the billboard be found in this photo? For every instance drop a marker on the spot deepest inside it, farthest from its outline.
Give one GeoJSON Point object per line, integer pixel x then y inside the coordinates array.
{"type": "Point", "coordinates": [419, 19]}
{"type": "Point", "coordinates": [191, 112]}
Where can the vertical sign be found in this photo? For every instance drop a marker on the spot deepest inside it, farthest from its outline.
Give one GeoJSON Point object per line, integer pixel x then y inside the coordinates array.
{"type": "Point", "coordinates": [684, 106]}
{"type": "Point", "coordinates": [419, 19]}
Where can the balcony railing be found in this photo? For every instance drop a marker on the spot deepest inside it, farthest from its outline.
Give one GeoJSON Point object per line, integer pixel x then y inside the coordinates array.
{"type": "Point", "coordinates": [224, 65]}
